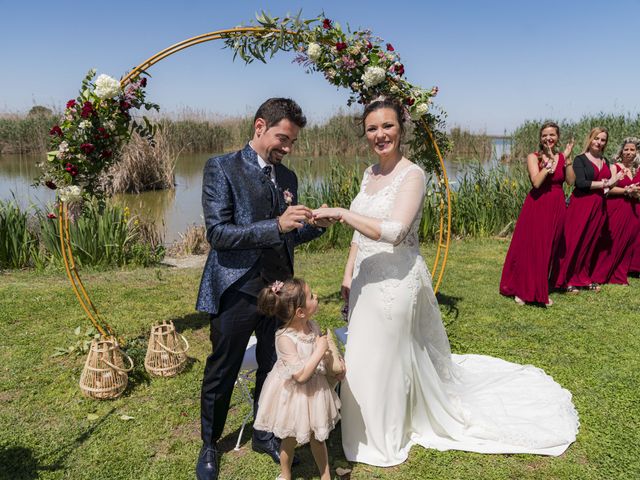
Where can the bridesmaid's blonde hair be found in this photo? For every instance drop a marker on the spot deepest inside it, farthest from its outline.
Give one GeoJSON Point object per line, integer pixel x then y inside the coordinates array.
{"type": "Point", "coordinates": [593, 134]}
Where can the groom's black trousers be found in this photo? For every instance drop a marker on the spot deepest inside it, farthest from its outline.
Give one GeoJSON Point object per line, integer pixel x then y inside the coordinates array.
{"type": "Point", "coordinates": [231, 328]}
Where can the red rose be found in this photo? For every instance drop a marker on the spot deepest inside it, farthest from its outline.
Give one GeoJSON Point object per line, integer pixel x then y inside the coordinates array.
{"type": "Point", "coordinates": [51, 216]}
{"type": "Point", "coordinates": [87, 110]}
{"type": "Point", "coordinates": [106, 154]}
{"type": "Point", "coordinates": [369, 46]}
{"type": "Point", "coordinates": [50, 184]}
{"type": "Point", "coordinates": [87, 148]}
{"type": "Point", "coordinates": [102, 133]}
{"type": "Point", "coordinates": [410, 101]}
{"type": "Point", "coordinates": [143, 82]}
{"type": "Point", "coordinates": [341, 46]}
{"type": "Point", "coordinates": [124, 105]}
{"type": "Point", "coordinates": [326, 24]}
{"type": "Point", "coordinates": [56, 130]}
{"type": "Point", "coordinates": [390, 47]}
{"type": "Point", "coordinates": [72, 169]}
{"type": "Point", "coordinates": [71, 103]}
{"type": "Point", "coordinates": [399, 69]}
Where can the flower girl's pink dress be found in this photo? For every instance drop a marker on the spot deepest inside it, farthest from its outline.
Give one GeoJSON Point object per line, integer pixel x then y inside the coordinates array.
{"type": "Point", "coordinates": [292, 409]}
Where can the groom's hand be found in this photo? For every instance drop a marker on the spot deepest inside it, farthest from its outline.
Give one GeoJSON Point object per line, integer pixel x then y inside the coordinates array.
{"type": "Point", "coordinates": [293, 217]}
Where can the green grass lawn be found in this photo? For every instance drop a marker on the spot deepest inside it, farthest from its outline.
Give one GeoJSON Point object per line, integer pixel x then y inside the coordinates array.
{"type": "Point", "coordinates": [588, 343]}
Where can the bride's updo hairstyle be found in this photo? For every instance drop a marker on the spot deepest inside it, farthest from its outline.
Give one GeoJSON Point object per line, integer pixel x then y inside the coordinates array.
{"type": "Point", "coordinates": [383, 102]}
{"type": "Point", "coordinates": [282, 299]}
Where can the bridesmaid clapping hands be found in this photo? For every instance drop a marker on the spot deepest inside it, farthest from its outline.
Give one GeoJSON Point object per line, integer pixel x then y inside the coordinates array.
{"type": "Point", "coordinates": [525, 274]}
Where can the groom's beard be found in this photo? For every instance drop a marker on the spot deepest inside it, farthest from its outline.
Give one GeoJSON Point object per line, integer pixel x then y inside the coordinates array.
{"type": "Point", "coordinates": [275, 157]}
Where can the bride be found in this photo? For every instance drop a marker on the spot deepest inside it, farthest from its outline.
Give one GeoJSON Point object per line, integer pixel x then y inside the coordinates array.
{"type": "Point", "coordinates": [403, 386]}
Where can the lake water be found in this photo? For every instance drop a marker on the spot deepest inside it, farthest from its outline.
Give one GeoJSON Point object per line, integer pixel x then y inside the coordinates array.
{"type": "Point", "coordinates": [173, 211]}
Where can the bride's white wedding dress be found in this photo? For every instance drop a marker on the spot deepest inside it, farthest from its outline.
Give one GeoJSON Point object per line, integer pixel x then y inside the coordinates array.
{"type": "Point", "coordinates": [403, 385]}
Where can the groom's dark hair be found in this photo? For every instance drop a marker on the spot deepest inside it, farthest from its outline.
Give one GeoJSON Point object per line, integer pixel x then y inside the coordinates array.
{"type": "Point", "coordinates": [275, 109]}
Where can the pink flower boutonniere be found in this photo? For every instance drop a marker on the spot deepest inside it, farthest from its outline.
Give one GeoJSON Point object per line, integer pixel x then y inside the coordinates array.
{"type": "Point", "coordinates": [288, 197]}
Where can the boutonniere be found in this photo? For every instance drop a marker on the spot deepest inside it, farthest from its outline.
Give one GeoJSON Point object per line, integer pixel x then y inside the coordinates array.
{"type": "Point", "coordinates": [288, 197]}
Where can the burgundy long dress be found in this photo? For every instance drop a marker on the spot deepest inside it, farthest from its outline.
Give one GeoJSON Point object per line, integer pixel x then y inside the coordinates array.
{"type": "Point", "coordinates": [583, 225]}
{"type": "Point", "coordinates": [614, 250]}
{"type": "Point", "coordinates": [538, 231]}
{"type": "Point", "coordinates": [634, 263]}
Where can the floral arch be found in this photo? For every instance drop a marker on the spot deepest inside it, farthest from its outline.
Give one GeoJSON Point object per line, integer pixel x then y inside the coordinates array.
{"type": "Point", "coordinates": [356, 60]}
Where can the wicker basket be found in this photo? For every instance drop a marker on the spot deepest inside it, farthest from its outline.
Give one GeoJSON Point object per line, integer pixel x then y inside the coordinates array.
{"type": "Point", "coordinates": [164, 356]}
{"type": "Point", "coordinates": [104, 375]}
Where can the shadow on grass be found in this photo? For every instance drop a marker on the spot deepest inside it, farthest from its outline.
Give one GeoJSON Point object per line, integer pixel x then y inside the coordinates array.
{"type": "Point", "coordinates": [191, 321]}
{"type": "Point", "coordinates": [19, 463]}
{"type": "Point", "coordinates": [306, 469]}
{"type": "Point", "coordinates": [450, 303]}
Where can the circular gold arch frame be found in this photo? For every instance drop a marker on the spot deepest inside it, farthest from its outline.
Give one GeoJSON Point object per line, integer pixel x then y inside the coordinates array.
{"type": "Point", "coordinates": [444, 233]}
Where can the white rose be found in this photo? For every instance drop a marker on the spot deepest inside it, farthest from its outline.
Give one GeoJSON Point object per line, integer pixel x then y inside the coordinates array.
{"type": "Point", "coordinates": [373, 76]}
{"type": "Point", "coordinates": [107, 87]}
{"type": "Point", "coordinates": [314, 51]}
{"type": "Point", "coordinates": [419, 110]}
{"type": "Point", "coordinates": [70, 194]}
{"type": "Point", "coordinates": [83, 125]}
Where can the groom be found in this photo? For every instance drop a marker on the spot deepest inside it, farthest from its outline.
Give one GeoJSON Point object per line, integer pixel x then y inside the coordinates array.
{"type": "Point", "coordinates": [253, 223]}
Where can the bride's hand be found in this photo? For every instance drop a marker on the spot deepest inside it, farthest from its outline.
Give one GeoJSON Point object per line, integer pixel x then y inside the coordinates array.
{"type": "Point", "coordinates": [333, 213]}
{"type": "Point", "coordinates": [323, 222]}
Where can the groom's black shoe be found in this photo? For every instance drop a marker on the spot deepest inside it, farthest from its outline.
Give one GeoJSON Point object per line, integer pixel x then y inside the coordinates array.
{"type": "Point", "coordinates": [271, 447]}
{"type": "Point", "coordinates": [207, 466]}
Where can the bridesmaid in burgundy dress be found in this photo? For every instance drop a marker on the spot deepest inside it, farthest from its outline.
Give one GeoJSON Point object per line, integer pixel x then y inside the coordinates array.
{"type": "Point", "coordinates": [586, 215]}
{"type": "Point", "coordinates": [615, 247]}
{"type": "Point", "coordinates": [525, 274]}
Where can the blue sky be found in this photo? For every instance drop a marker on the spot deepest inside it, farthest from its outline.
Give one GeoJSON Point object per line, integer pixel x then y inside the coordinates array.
{"type": "Point", "coordinates": [497, 63]}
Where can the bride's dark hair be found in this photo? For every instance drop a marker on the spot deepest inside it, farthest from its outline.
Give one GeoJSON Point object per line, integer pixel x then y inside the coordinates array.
{"type": "Point", "coordinates": [383, 102]}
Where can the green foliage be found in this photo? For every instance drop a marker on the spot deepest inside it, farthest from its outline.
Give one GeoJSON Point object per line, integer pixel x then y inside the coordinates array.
{"type": "Point", "coordinates": [484, 201]}
{"type": "Point", "coordinates": [101, 237]}
{"type": "Point", "coordinates": [82, 343]}
{"type": "Point", "coordinates": [18, 241]}
{"type": "Point", "coordinates": [526, 136]}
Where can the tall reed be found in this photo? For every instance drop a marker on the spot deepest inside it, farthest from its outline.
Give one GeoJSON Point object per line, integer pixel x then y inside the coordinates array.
{"type": "Point", "coordinates": [102, 237]}
{"type": "Point", "coordinates": [525, 137]}
{"type": "Point", "coordinates": [143, 166]}
{"type": "Point", "coordinates": [18, 241]}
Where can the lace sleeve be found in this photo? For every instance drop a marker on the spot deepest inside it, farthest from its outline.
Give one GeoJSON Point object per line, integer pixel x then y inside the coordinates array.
{"type": "Point", "coordinates": [288, 356]}
{"type": "Point", "coordinates": [407, 205]}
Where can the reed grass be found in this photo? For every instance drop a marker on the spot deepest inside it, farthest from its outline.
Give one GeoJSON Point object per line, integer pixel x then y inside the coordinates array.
{"type": "Point", "coordinates": [192, 242]}
{"type": "Point", "coordinates": [101, 237]}
{"type": "Point", "coordinates": [143, 166]}
{"type": "Point", "coordinates": [467, 145]}
{"type": "Point", "coordinates": [18, 241]}
{"type": "Point", "coordinates": [199, 132]}
{"type": "Point", "coordinates": [525, 137]}
{"type": "Point", "coordinates": [25, 134]}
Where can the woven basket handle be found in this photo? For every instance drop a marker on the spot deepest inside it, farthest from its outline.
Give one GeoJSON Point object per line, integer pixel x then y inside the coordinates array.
{"type": "Point", "coordinates": [179, 352]}
{"type": "Point", "coordinates": [121, 370]}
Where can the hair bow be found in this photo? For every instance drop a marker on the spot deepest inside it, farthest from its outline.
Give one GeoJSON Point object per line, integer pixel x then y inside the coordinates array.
{"type": "Point", "coordinates": [277, 286]}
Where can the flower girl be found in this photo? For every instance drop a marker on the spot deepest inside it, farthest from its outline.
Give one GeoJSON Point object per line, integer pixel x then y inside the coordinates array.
{"type": "Point", "coordinates": [297, 404]}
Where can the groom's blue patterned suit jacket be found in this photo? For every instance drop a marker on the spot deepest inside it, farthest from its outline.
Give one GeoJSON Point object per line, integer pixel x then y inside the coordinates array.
{"type": "Point", "coordinates": [240, 206]}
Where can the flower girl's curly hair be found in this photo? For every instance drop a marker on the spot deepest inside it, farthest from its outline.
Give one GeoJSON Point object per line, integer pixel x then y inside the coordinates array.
{"type": "Point", "coordinates": [282, 299]}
